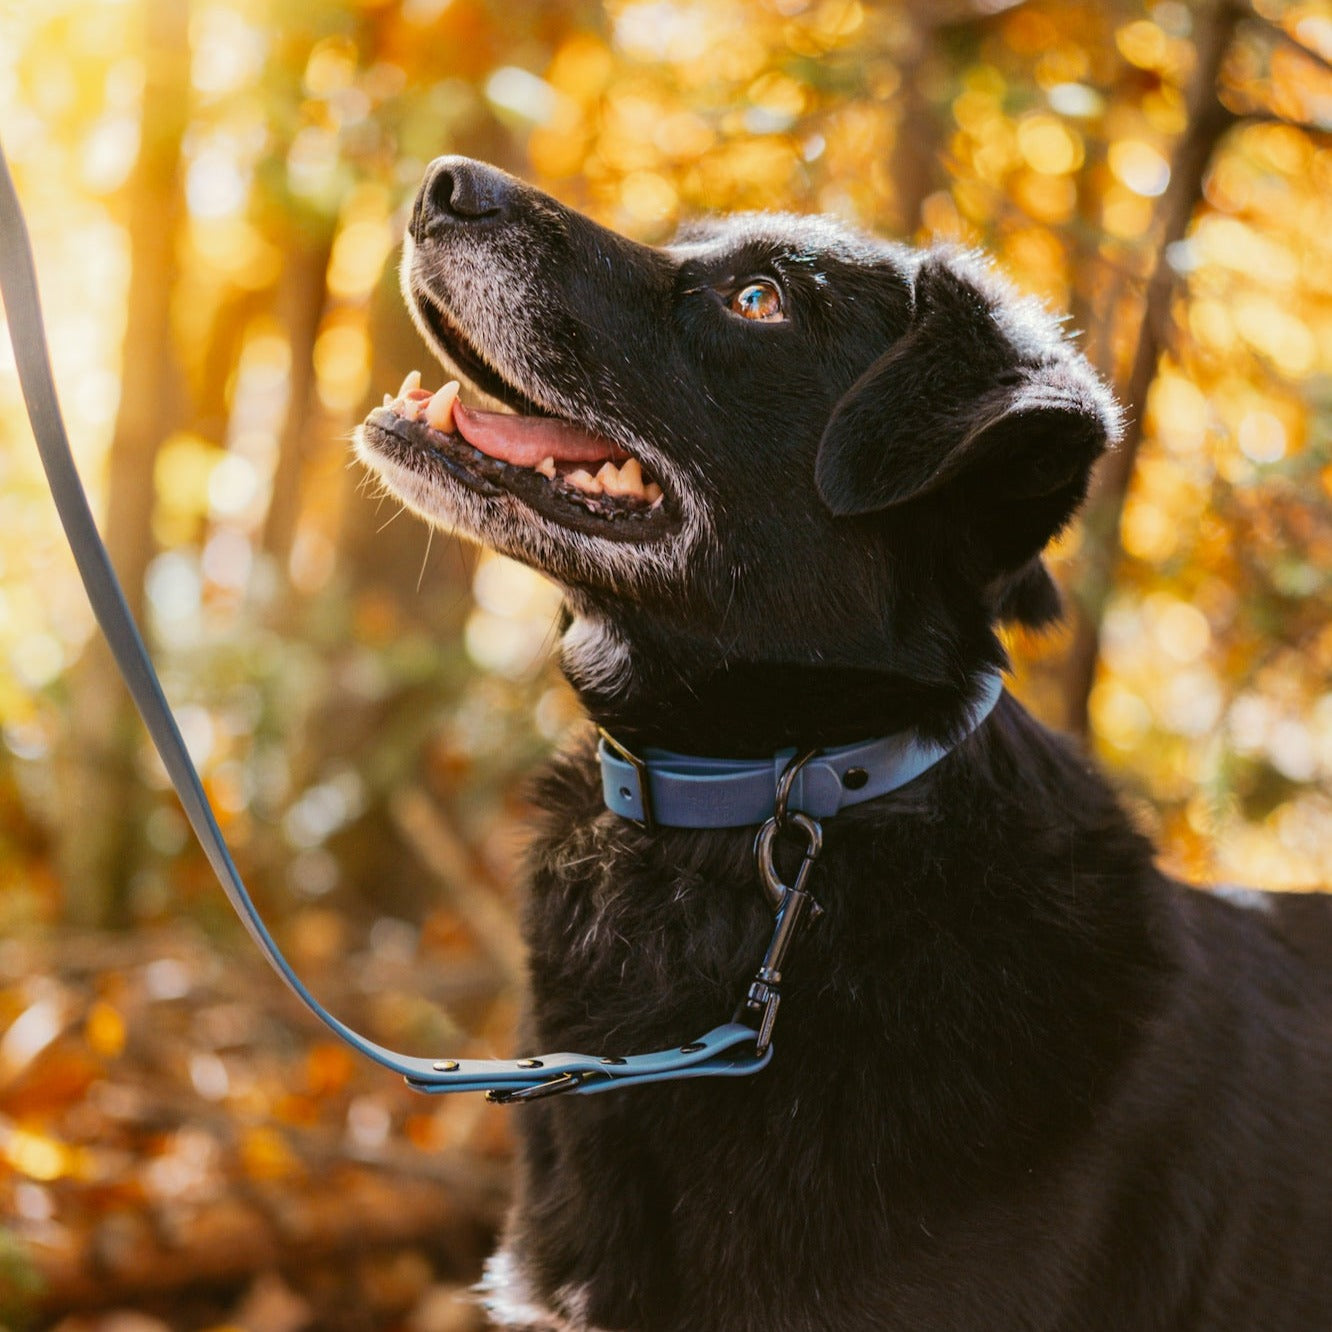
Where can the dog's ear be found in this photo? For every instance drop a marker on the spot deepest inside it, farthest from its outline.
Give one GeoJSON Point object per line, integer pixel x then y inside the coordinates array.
{"type": "Point", "coordinates": [982, 390]}
{"type": "Point", "coordinates": [1029, 597]}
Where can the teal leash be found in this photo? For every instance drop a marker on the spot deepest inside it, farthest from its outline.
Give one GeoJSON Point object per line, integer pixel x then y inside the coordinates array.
{"type": "Point", "coordinates": [733, 1049]}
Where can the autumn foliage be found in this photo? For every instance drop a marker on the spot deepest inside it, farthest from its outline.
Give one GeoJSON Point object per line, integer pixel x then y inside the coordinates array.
{"type": "Point", "coordinates": [215, 190]}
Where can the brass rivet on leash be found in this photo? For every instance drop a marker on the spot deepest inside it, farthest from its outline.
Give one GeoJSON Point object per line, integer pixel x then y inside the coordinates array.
{"type": "Point", "coordinates": [854, 778]}
{"type": "Point", "coordinates": [445, 1065]}
{"type": "Point", "coordinates": [530, 1063]}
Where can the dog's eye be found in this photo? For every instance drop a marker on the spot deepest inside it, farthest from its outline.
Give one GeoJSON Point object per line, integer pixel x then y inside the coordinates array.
{"type": "Point", "coordinates": [761, 300]}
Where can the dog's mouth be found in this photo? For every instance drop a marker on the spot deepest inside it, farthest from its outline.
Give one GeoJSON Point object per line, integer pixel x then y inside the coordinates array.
{"type": "Point", "coordinates": [566, 473]}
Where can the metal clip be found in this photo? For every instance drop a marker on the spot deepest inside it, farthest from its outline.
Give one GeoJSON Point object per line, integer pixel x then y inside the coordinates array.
{"type": "Point", "coordinates": [769, 876]}
{"type": "Point", "coordinates": [566, 1082]}
{"type": "Point", "coordinates": [786, 781]}
{"type": "Point", "coordinates": [794, 907]}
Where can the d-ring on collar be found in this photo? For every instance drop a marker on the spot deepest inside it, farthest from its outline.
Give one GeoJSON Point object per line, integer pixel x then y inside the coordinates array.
{"type": "Point", "coordinates": [661, 788]}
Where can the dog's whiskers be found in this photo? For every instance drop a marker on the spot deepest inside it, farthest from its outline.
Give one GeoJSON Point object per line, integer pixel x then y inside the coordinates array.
{"type": "Point", "coordinates": [402, 508]}
{"type": "Point", "coordinates": [425, 559]}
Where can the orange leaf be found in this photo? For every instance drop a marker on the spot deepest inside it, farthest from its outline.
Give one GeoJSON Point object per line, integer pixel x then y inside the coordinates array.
{"type": "Point", "coordinates": [104, 1030]}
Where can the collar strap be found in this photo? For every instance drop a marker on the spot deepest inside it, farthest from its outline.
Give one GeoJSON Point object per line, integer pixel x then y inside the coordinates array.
{"type": "Point", "coordinates": [669, 790]}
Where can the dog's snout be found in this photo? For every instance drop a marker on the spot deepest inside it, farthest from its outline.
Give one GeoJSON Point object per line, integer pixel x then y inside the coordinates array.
{"type": "Point", "coordinates": [457, 191]}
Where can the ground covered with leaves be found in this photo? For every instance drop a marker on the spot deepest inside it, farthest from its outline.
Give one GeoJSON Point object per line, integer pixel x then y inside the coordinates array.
{"type": "Point", "coordinates": [180, 1149]}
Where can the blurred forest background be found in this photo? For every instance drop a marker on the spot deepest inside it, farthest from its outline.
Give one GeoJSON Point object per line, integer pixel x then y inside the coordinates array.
{"type": "Point", "coordinates": [216, 189]}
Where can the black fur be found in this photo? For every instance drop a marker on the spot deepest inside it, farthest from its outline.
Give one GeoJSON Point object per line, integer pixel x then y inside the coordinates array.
{"type": "Point", "coordinates": [1022, 1080]}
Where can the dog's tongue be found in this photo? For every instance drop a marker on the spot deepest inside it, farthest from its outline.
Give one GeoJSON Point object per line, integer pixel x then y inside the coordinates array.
{"type": "Point", "coordinates": [527, 441]}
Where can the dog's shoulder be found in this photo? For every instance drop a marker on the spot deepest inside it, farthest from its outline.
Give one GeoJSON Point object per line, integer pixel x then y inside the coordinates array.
{"type": "Point", "coordinates": [1298, 924]}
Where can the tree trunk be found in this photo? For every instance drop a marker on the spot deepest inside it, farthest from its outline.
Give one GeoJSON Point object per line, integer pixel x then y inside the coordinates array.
{"type": "Point", "coordinates": [99, 839]}
{"type": "Point", "coordinates": [302, 298]}
{"type": "Point", "coordinates": [1208, 120]}
{"type": "Point", "coordinates": [916, 149]}
{"type": "Point", "coordinates": [223, 347]}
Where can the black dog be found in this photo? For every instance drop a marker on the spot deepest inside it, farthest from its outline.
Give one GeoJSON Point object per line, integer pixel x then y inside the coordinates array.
{"type": "Point", "coordinates": [790, 479]}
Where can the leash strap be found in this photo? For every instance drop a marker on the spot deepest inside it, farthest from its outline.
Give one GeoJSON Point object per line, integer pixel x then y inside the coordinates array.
{"type": "Point", "coordinates": [726, 1051]}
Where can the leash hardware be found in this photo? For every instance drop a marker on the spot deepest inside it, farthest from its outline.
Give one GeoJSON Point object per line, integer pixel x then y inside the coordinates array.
{"type": "Point", "coordinates": [795, 907]}
{"type": "Point", "coordinates": [566, 1082]}
{"type": "Point", "coordinates": [780, 815]}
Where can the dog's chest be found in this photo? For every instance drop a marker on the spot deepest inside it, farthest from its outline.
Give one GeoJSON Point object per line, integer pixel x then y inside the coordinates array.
{"type": "Point", "coordinates": [931, 1053]}
{"type": "Point", "coordinates": [639, 938]}
{"type": "Point", "coordinates": [644, 942]}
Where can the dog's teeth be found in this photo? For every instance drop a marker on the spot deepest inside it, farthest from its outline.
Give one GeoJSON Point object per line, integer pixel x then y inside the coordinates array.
{"type": "Point", "coordinates": [653, 492]}
{"type": "Point", "coordinates": [413, 381]}
{"type": "Point", "coordinates": [388, 400]}
{"type": "Point", "coordinates": [412, 405]}
{"type": "Point", "coordinates": [625, 480]}
{"type": "Point", "coordinates": [547, 468]}
{"type": "Point", "coordinates": [583, 480]}
{"type": "Point", "coordinates": [439, 410]}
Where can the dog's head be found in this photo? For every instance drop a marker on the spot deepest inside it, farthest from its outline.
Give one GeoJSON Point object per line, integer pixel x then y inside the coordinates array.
{"type": "Point", "coordinates": [789, 476]}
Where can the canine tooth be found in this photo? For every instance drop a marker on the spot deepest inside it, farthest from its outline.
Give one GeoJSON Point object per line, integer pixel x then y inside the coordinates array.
{"type": "Point", "coordinates": [388, 400]}
{"type": "Point", "coordinates": [653, 492]}
{"type": "Point", "coordinates": [439, 410]}
{"type": "Point", "coordinates": [546, 467]}
{"type": "Point", "coordinates": [413, 381]}
{"type": "Point", "coordinates": [583, 480]}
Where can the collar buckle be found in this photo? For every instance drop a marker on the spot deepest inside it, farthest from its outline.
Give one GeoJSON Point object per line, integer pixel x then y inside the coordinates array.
{"type": "Point", "coordinates": [556, 1086]}
{"type": "Point", "coordinates": [640, 770]}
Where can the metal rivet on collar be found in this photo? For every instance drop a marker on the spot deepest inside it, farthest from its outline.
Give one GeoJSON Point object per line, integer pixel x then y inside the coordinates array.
{"type": "Point", "coordinates": [854, 778]}
{"type": "Point", "coordinates": [692, 1048]}
{"type": "Point", "coordinates": [445, 1065]}
{"type": "Point", "coordinates": [530, 1063]}
{"type": "Point", "coordinates": [611, 1059]}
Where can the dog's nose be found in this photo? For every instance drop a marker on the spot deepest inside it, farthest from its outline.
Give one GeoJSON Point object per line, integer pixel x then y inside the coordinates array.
{"type": "Point", "coordinates": [456, 191]}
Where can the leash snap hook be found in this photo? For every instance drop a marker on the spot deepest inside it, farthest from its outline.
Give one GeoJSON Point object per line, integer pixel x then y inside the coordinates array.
{"type": "Point", "coordinates": [794, 906]}
{"type": "Point", "coordinates": [781, 815]}
{"type": "Point", "coordinates": [774, 889]}
{"type": "Point", "coordinates": [783, 818]}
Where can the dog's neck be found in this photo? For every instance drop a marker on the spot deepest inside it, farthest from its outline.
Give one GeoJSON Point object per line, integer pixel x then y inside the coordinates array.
{"type": "Point", "coordinates": [684, 699]}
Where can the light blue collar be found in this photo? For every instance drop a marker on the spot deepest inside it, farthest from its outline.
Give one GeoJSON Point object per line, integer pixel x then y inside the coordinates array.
{"type": "Point", "coordinates": [660, 788]}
